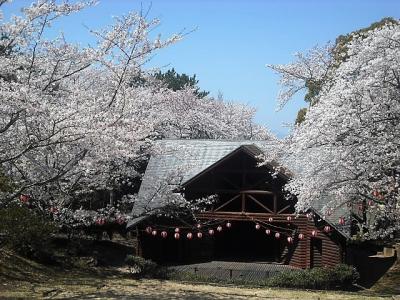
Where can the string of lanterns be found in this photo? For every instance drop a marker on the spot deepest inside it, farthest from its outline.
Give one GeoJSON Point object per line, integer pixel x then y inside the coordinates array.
{"type": "Point", "coordinates": [290, 238]}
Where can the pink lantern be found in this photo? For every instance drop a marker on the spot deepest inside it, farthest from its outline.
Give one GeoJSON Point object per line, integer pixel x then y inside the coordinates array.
{"type": "Point", "coordinates": [277, 235]}
{"type": "Point", "coordinates": [24, 198]}
{"type": "Point", "coordinates": [198, 226]}
{"type": "Point", "coordinates": [258, 226]}
{"type": "Point", "coordinates": [189, 236]}
{"type": "Point", "coordinates": [54, 210]}
{"type": "Point", "coordinates": [289, 218]}
{"type": "Point", "coordinates": [376, 194]}
{"type": "Point", "coordinates": [268, 231]}
{"type": "Point", "coordinates": [314, 233]}
{"type": "Point", "coordinates": [199, 235]}
{"type": "Point", "coordinates": [211, 231]}
{"type": "Point", "coordinates": [154, 232]}
{"type": "Point", "coordinates": [177, 235]}
{"type": "Point", "coordinates": [290, 240]}
{"type": "Point", "coordinates": [164, 234]}
{"type": "Point", "coordinates": [120, 220]}
{"type": "Point", "coordinates": [327, 228]}
{"type": "Point", "coordinates": [342, 221]}
{"type": "Point", "coordinates": [301, 236]}
{"type": "Point", "coordinates": [177, 230]}
{"type": "Point", "coordinates": [371, 203]}
{"type": "Point", "coordinates": [149, 229]}
{"type": "Point", "coordinates": [228, 225]}
{"type": "Point", "coordinates": [100, 221]}
{"type": "Point", "coordinates": [219, 228]}
{"type": "Point", "coordinates": [270, 219]}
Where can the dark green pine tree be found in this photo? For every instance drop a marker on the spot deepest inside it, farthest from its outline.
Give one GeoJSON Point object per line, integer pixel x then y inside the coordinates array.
{"type": "Point", "coordinates": [176, 81]}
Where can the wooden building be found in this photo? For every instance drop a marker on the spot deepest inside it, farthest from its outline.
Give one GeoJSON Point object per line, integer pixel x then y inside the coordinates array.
{"type": "Point", "coordinates": [252, 219]}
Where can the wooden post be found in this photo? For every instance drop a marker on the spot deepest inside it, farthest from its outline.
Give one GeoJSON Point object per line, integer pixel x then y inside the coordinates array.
{"type": "Point", "coordinates": [243, 202]}
{"type": "Point", "coordinates": [275, 203]}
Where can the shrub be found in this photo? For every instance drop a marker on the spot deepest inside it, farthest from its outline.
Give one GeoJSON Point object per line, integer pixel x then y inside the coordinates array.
{"type": "Point", "coordinates": [340, 276]}
{"type": "Point", "coordinates": [26, 232]}
{"type": "Point", "coordinates": [145, 268]}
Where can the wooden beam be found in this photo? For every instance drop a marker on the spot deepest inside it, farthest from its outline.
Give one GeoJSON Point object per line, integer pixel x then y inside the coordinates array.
{"type": "Point", "coordinates": [226, 203]}
{"type": "Point", "coordinates": [275, 203]}
{"type": "Point", "coordinates": [230, 182]}
{"type": "Point", "coordinates": [283, 209]}
{"type": "Point", "coordinates": [259, 203]}
{"type": "Point", "coordinates": [246, 216]}
{"type": "Point", "coordinates": [262, 192]}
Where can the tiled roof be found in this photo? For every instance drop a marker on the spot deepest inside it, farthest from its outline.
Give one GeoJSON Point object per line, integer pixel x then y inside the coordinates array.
{"type": "Point", "coordinates": [175, 162]}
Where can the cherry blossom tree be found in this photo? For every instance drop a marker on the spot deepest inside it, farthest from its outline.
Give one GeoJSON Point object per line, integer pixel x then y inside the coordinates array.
{"type": "Point", "coordinates": [347, 149]}
{"type": "Point", "coordinates": [73, 122]}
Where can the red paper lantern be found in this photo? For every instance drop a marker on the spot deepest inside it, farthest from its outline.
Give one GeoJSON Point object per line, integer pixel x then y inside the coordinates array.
{"type": "Point", "coordinates": [164, 234]}
{"type": "Point", "coordinates": [149, 229]}
{"type": "Point", "coordinates": [289, 218]}
{"type": "Point", "coordinates": [53, 210]}
{"type": "Point", "coordinates": [177, 235]}
{"type": "Point", "coordinates": [268, 231]}
{"type": "Point", "coordinates": [277, 235]}
{"type": "Point", "coordinates": [177, 230]}
{"type": "Point", "coordinates": [270, 219]}
{"type": "Point", "coordinates": [376, 194]}
{"type": "Point", "coordinates": [229, 225]}
{"type": "Point", "coordinates": [314, 233]}
{"type": "Point", "coordinates": [219, 228]}
{"type": "Point", "coordinates": [211, 231]}
{"type": "Point", "coordinates": [301, 236]}
{"type": "Point", "coordinates": [154, 232]}
{"type": "Point", "coordinates": [100, 221]}
{"type": "Point", "coordinates": [189, 236]}
{"type": "Point", "coordinates": [258, 226]}
{"type": "Point", "coordinates": [199, 235]}
{"type": "Point", "coordinates": [290, 240]}
{"type": "Point", "coordinates": [24, 198]}
{"type": "Point", "coordinates": [342, 221]}
{"type": "Point", "coordinates": [327, 228]}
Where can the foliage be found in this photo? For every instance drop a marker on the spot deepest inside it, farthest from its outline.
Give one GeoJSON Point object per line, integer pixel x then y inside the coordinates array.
{"type": "Point", "coordinates": [5, 183]}
{"type": "Point", "coordinates": [176, 81]}
{"type": "Point", "coordinates": [72, 122]}
{"type": "Point", "coordinates": [340, 49]}
{"type": "Point", "coordinates": [25, 232]}
{"type": "Point", "coordinates": [301, 116]}
{"type": "Point", "coordinates": [145, 268]}
{"type": "Point", "coordinates": [340, 276]}
{"type": "Point", "coordinates": [346, 151]}
{"type": "Point", "coordinates": [315, 70]}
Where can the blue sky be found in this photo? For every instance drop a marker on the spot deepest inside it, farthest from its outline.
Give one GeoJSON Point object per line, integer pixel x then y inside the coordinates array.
{"type": "Point", "coordinates": [234, 40]}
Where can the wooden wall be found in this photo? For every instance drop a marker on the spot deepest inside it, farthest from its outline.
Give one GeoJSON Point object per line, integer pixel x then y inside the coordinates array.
{"type": "Point", "coordinates": [332, 246]}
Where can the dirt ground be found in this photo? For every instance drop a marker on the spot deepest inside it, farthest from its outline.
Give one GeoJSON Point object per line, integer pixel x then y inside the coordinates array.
{"type": "Point", "coordinates": [124, 288]}
{"type": "Point", "coordinates": [21, 278]}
